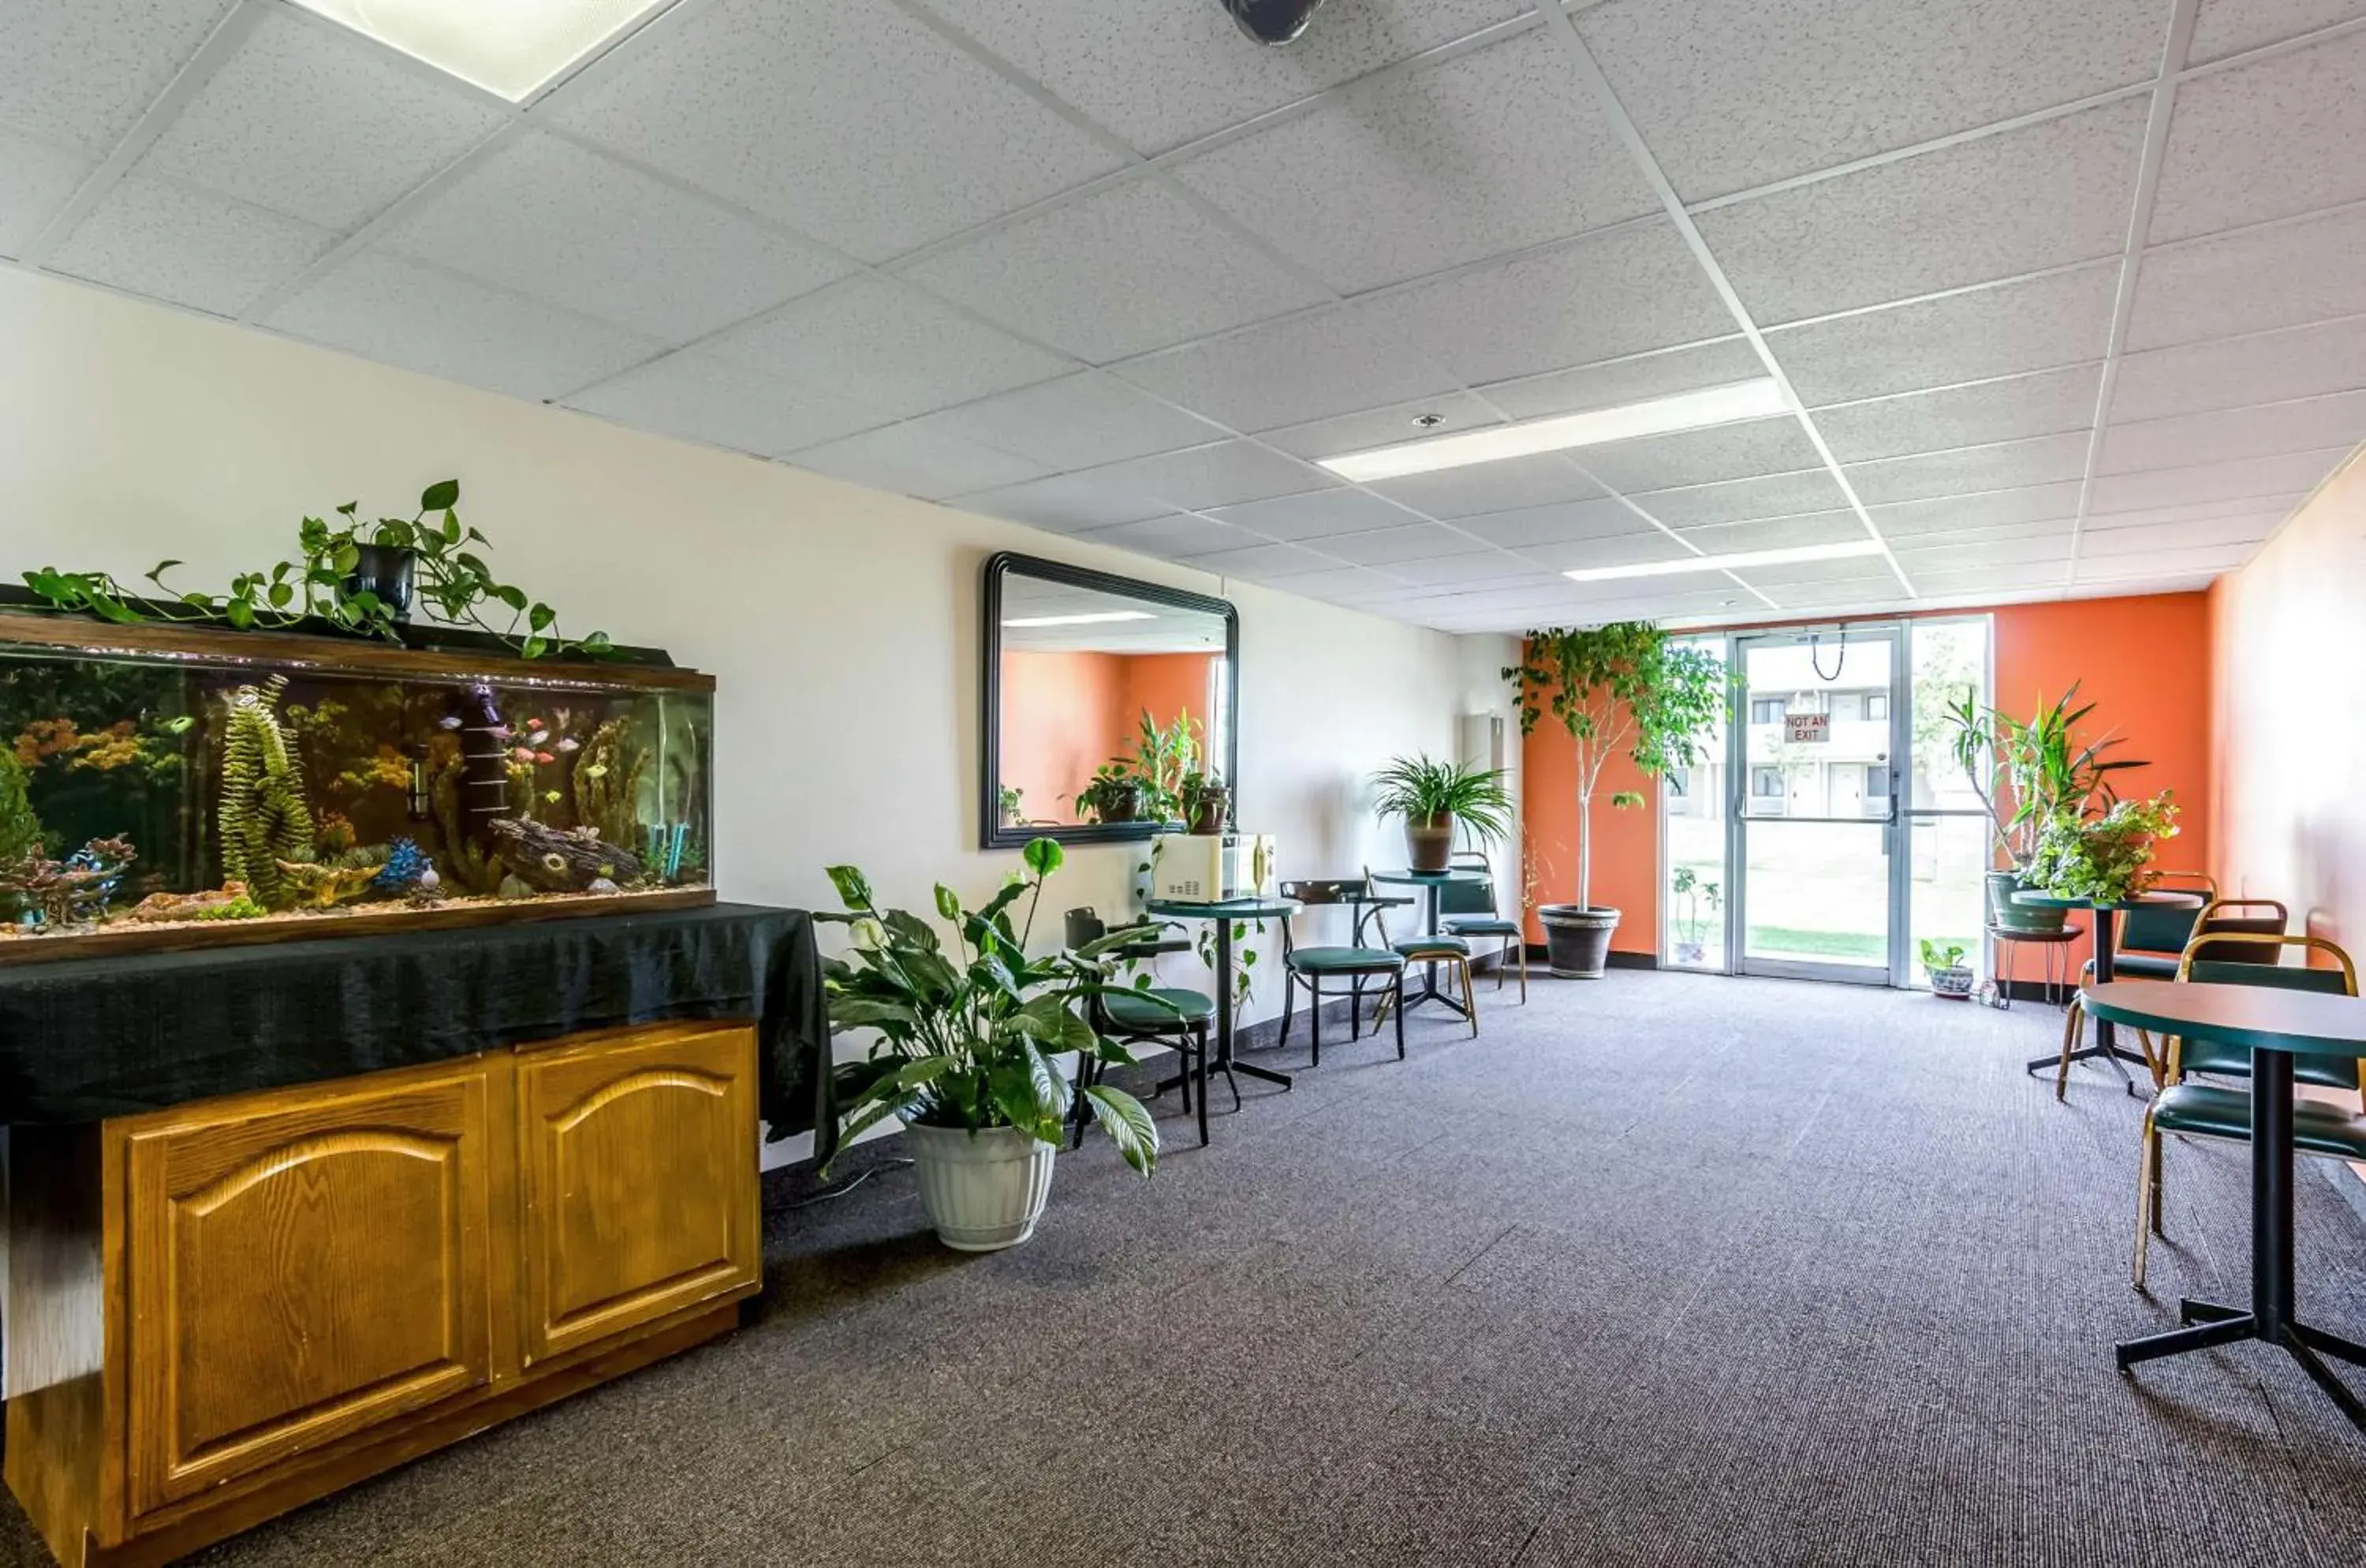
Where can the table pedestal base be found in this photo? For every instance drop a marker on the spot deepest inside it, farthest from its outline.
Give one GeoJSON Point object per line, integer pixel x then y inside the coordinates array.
{"type": "Point", "coordinates": [2213, 1325]}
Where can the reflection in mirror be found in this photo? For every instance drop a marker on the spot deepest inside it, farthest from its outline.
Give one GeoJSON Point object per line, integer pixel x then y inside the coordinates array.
{"type": "Point", "coordinates": [1114, 703]}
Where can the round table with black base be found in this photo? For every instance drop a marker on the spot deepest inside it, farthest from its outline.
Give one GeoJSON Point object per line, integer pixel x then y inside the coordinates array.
{"type": "Point", "coordinates": [2107, 1041]}
{"type": "Point", "coordinates": [1226, 914]}
{"type": "Point", "coordinates": [2275, 1025]}
{"type": "Point", "coordinates": [1430, 881]}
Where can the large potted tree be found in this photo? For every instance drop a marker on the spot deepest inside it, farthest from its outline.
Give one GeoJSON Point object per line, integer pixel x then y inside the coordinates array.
{"type": "Point", "coordinates": [1627, 689]}
{"type": "Point", "coordinates": [2029, 773]}
{"type": "Point", "coordinates": [967, 1037]}
{"type": "Point", "coordinates": [1434, 798]}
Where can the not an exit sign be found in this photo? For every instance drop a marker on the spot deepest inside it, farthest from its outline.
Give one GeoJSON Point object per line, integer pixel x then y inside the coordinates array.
{"type": "Point", "coordinates": [1808, 726]}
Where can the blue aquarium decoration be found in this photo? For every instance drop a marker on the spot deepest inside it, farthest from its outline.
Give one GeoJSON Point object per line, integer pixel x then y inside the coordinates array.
{"type": "Point", "coordinates": [407, 867]}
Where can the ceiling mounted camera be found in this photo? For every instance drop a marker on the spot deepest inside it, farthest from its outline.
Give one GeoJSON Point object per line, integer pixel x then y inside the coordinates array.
{"type": "Point", "coordinates": [1273, 21]}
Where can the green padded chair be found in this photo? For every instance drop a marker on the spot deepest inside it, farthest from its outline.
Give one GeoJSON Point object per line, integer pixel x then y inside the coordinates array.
{"type": "Point", "coordinates": [1157, 1015]}
{"type": "Point", "coordinates": [1355, 964]}
{"type": "Point", "coordinates": [2216, 918]}
{"type": "Point", "coordinates": [2153, 936]}
{"type": "Point", "coordinates": [1468, 909]}
{"type": "Point", "coordinates": [2210, 1110]}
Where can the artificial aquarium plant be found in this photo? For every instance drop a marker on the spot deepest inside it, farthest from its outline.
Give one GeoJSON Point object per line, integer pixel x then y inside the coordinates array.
{"type": "Point", "coordinates": [267, 825]}
{"type": "Point", "coordinates": [1626, 689]}
{"type": "Point", "coordinates": [320, 583]}
{"type": "Point", "coordinates": [967, 1031]}
{"type": "Point", "coordinates": [1434, 797]}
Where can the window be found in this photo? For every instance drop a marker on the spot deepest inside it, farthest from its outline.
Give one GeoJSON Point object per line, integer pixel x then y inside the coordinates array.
{"type": "Point", "coordinates": [1847, 706]}
{"type": "Point", "coordinates": [1680, 783]}
{"type": "Point", "coordinates": [1768, 710]}
{"type": "Point", "coordinates": [1876, 705]}
{"type": "Point", "coordinates": [1876, 782]}
{"type": "Point", "coordinates": [1766, 784]}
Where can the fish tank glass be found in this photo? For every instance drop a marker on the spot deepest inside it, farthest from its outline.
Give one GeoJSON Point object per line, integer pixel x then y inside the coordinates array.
{"type": "Point", "coordinates": [174, 795]}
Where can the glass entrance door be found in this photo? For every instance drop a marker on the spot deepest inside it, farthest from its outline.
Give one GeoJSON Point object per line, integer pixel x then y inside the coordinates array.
{"type": "Point", "coordinates": [1813, 756]}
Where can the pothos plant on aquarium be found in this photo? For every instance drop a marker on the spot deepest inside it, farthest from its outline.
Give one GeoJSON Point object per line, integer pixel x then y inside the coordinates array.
{"type": "Point", "coordinates": [319, 584]}
{"type": "Point", "coordinates": [966, 1032]}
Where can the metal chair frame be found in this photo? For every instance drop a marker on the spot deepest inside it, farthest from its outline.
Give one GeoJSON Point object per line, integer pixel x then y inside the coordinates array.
{"type": "Point", "coordinates": [1345, 892]}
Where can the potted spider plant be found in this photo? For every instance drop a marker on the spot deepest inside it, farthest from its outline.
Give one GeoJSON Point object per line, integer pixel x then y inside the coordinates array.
{"type": "Point", "coordinates": [967, 1037]}
{"type": "Point", "coordinates": [1432, 796]}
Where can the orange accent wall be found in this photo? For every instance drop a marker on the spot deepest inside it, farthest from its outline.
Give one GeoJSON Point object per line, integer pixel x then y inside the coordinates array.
{"type": "Point", "coordinates": [1167, 685]}
{"type": "Point", "coordinates": [2288, 633]}
{"type": "Point", "coordinates": [1065, 714]}
{"type": "Point", "coordinates": [2145, 660]}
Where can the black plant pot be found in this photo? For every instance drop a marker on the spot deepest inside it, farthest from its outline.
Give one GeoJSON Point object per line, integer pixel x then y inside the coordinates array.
{"type": "Point", "coordinates": [1207, 811]}
{"type": "Point", "coordinates": [1577, 939]}
{"type": "Point", "coordinates": [1121, 805]}
{"type": "Point", "coordinates": [388, 570]}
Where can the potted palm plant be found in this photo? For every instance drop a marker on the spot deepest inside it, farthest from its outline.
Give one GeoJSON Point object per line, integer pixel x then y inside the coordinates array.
{"type": "Point", "coordinates": [2046, 773]}
{"type": "Point", "coordinates": [1432, 796]}
{"type": "Point", "coordinates": [965, 1054]}
{"type": "Point", "coordinates": [1626, 689]}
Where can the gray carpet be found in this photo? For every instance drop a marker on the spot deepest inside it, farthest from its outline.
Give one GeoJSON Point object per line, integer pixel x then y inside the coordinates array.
{"type": "Point", "coordinates": [1662, 1269]}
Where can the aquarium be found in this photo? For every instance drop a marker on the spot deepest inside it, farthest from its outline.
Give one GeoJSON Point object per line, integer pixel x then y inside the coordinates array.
{"type": "Point", "coordinates": [167, 789]}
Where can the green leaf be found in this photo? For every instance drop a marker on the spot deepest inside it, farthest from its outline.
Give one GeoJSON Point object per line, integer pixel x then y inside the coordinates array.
{"type": "Point", "coordinates": [947, 902]}
{"type": "Point", "coordinates": [1044, 856]}
{"type": "Point", "coordinates": [441, 496]}
{"type": "Point", "coordinates": [513, 597]}
{"type": "Point", "coordinates": [1129, 1127]}
{"type": "Point", "coordinates": [282, 595]}
{"type": "Point", "coordinates": [162, 567]}
{"type": "Point", "coordinates": [853, 889]}
{"type": "Point", "coordinates": [540, 616]}
{"type": "Point", "coordinates": [860, 1013]}
{"type": "Point", "coordinates": [912, 929]}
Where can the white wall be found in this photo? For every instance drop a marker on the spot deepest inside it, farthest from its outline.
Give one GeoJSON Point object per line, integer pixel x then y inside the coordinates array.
{"type": "Point", "coordinates": [840, 623]}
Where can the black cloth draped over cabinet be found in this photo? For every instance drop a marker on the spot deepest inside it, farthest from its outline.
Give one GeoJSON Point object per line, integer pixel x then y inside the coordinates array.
{"type": "Point", "coordinates": [85, 1039]}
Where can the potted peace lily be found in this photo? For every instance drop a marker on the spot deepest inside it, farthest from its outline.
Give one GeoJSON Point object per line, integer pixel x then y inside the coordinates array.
{"type": "Point", "coordinates": [1627, 689]}
{"type": "Point", "coordinates": [968, 1037]}
{"type": "Point", "coordinates": [1432, 796]}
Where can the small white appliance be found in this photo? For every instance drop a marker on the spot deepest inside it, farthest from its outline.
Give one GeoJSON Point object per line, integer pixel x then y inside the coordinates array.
{"type": "Point", "coordinates": [1208, 868]}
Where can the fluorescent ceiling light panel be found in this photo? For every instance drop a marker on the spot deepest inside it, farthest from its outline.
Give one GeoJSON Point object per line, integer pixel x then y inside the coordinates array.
{"type": "Point", "coordinates": [1686, 410]}
{"type": "Point", "coordinates": [1734, 562]}
{"type": "Point", "coordinates": [509, 47]}
{"type": "Point", "coordinates": [1096, 618]}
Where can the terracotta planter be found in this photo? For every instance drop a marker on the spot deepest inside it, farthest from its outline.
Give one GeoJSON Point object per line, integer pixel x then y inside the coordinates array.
{"type": "Point", "coordinates": [1429, 841]}
{"type": "Point", "coordinates": [983, 1191]}
{"type": "Point", "coordinates": [1577, 940]}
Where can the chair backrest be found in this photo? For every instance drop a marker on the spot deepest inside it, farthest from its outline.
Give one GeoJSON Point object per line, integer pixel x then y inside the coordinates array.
{"type": "Point", "coordinates": [2165, 927]}
{"type": "Point", "coordinates": [2253, 958]}
{"type": "Point", "coordinates": [1475, 897]}
{"type": "Point", "coordinates": [1322, 892]}
{"type": "Point", "coordinates": [2266, 917]}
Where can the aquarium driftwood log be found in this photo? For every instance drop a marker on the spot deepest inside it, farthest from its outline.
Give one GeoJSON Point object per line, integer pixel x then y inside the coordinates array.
{"type": "Point", "coordinates": [264, 820]}
{"type": "Point", "coordinates": [556, 860]}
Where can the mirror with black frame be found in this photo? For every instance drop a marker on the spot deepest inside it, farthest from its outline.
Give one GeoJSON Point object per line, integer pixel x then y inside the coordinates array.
{"type": "Point", "coordinates": [1108, 706]}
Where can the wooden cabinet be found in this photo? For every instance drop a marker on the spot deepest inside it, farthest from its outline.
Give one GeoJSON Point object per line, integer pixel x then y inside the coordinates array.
{"type": "Point", "coordinates": [633, 1162]}
{"type": "Point", "coordinates": [248, 1303]}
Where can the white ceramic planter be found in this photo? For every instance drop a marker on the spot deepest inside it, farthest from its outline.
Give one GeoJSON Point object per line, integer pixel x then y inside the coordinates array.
{"type": "Point", "coordinates": [983, 1191]}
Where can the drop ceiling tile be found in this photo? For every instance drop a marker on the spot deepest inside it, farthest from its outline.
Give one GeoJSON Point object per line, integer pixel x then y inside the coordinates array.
{"type": "Point", "coordinates": [78, 73]}
{"type": "Point", "coordinates": [1317, 514]}
{"type": "Point", "coordinates": [1538, 480]}
{"type": "Point", "coordinates": [1557, 524]}
{"type": "Point", "coordinates": [1756, 448]}
{"type": "Point", "coordinates": [1826, 592]}
{"type": "Point", "coordinates": [2041, 196]}
{"type": "Point", "coordinates": [2260, 279]}
{"type": "Point", "coordinates": [699, 397]}
{"type": "Point", "coordinates": [2336, 420]}
{"type": "Point", "coordinates": [37, 180]}
{"type": "Point", "coordinates": [1312, 366]}
{"type": "Point", "coordinates": [189, 247]}
{"type": "Point", "coordinates": [1777, 533]}
{"type": "Point", "coordinates": [899, 349]}
{"type": "Point", "coordinates": [1633, 381]}
{"type": "Point", "coordinates": [1346, 585]}
{"type": "Point", "coordinates": [2195, 511]}
{"type": "Point", "coordinates": [317, 123]}
{"type": "Point", "coordinates": [1486, 152]}
{"type": "Point", "coordinates": [2222, 28]}
{"type": "Point", "coordinates": [1131, 269]}
{"type": "Point", "coordinates": [1175, 536]}
{"type": "Point", "coordinates": [1382, 427]}
{"type": "Point", "coordinates": [1990, 509]}
{"type": "Point", "coordinates": [1066, 503]}
{"type": "Point", "coordinates": [1620, 549]}
{"type": "Point", "coordinates": [2216, 481]}
{"type": "Point", "coordinates": [2209, 559]}
{"type": "Point", "coordinates": [2297, 362]}
{"type": "Point", "coordinates": [1223, 474]}
{"type": "Point", "coordinates": [400, 312]}
{"type": "Point", "coordinates": [1262, 562]}
{"type": "Point", "coordinates": [1639, 286]}
{"type": "Point", "coordinates": [2038, 576]}
{"type": "Point", "coordinates": [547, 218]}
{"type": "Point", "coordinates": [2097, 544]}
{"type": "Point", "coordinates": [1742, 500]}
{"type": "Point", "coordinates": [1162, 75]}
{"type": "Point", "coordinates": [909, 459]}
{"type": "Point", "coordinates": [1479, 569]}
{"type": "Point", "coordinates": [1077, 422]}
{"type": "Point", "coordinates": [1812, 83]}
{"type": "Point", "coordinates": [2035, 325]}
{"type": "Point", "coordinates": [2043, 459]}
{"type": "Point", "coordinates": [2264, 141]}
{"type": "Point", "coordinates": [1930, 558]}
{"type": "Point", "coordinates": [2047, 403]}
{"type": "Point", "coordinates": [1415, 541]}
{"type": "Point", "coordinates": [851, 121]}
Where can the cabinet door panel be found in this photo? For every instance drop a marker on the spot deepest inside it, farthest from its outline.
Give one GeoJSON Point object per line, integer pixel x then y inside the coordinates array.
{"type": "Point", "coordinates": [297, 1275]}
{"type": "Point", "coordinates": [638, 1175]}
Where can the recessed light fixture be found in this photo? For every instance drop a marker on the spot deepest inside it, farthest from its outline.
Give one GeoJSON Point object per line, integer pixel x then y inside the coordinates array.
{"type": "Point", "coordinates": [509, 47]}
{"type": "Point", "coordinates": [1093, 618]}
{"type": "Point", "coordinates": [1687, 410]}
{"type": "Point", "coordinates": [1733, 562]}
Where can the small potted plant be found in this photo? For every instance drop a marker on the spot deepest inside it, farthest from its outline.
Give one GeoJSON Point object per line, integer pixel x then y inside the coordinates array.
{"type": "Point", "coordinates": [1008, 804]}
{"type": "Point", "coordinates": [1204, 799]}
{"type": "Point", "coordinates": [1950, 976]}
{"type": "Point", "coordinates": [1433, 796]}
{"type": "Point", "coordinates": [1114, 795]}
{"type": "Point", "coordinates": [967, 1040]}
{"type": "Point", "coordinates": [1691, 926]}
